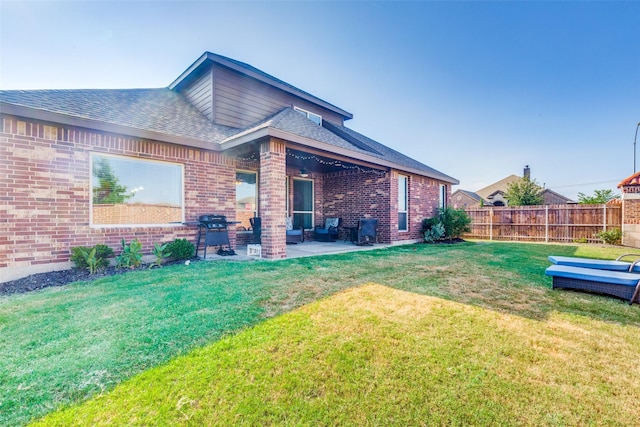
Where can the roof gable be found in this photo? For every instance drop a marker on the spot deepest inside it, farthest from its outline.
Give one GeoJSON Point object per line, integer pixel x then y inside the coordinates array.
{"type": "Point", "coordinates": [501, 185]}
{"type": "Point", "coordinates": [205, 61]}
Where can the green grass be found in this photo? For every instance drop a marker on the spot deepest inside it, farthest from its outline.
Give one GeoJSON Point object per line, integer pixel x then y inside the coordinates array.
{"type": "Point", "coordinates": [62, 346]}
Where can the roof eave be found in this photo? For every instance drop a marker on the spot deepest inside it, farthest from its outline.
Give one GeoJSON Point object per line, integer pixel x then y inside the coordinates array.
{"type": "Point", "coordinates": [208, 56]}
{"type": "Point", "coordinates": [265, 132]}
{"type": "Point", "coordinates": [69, 120]}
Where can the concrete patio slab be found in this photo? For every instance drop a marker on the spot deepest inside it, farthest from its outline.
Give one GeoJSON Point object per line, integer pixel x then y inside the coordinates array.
{"type": "Point", "coordinates": [308, 248]}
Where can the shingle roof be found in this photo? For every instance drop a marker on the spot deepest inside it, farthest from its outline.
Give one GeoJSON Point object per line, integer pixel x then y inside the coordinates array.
{"type": "Point", "coordinates": [501, 185]}
{"type": "Point", "coordinates": [156, 110]}
{"type": "Point", "coordinates": [394, 156]}
{"type": "Point", "coordinates": [288, 120]}
{"type": "Point", "coordinates": [632, 180]}
{"type": "Point", "coordinates": [470, 194]}
{"type": "Point", "coordinates": [164, 111]}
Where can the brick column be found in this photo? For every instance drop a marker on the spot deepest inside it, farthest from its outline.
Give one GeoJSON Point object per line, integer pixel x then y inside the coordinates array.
{"type": "Point", "coordinates": [273, 159]}
{"type": "Point", "coordinates": [631, 211]}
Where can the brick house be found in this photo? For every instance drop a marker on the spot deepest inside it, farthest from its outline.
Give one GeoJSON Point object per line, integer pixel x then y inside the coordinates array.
{"type": "Point", "coordinates": [495, 194]}
{"type": "Point", "coordinates": [82, 167]}
{"type": "Point", "coordinates": [631, 210]}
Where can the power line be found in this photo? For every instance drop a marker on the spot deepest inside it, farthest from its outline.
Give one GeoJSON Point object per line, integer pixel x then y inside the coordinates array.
{"type": "Point", "coordinates": [586, 183]}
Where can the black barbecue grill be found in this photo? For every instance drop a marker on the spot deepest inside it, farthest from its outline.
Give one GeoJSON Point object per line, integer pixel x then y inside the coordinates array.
{"type": "Point", "coordinates": [215, 231]}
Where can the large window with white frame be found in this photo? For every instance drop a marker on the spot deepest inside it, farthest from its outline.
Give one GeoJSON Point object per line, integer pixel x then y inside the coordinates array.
{"type": "Point", "coordinates": [316, 118]}
{"type": "Point", "coordinates": [132, 191]}
{"type": "Point", "coordinates": [303, 203]}
{"type": "Point", "coordinates": [246, 198]}
{"type": "Point", "coordinates": [403, 222]}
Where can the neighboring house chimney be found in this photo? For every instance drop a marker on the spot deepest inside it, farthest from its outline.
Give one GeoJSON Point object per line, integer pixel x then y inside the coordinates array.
{"type": "Point", "coordinates": [527, 172]}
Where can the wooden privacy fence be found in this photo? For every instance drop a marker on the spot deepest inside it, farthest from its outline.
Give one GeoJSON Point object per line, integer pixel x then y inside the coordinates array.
{"type": "Point", "coordinates": [551, 223]}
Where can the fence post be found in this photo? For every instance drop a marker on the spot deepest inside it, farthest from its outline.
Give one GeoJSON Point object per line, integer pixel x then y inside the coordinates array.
{"type": "Point", "coordinates": [546, 223]}
{"type": "Point", "coordinates": [604, 220]}
{"type": "Point", "coordinates": [491, 224]}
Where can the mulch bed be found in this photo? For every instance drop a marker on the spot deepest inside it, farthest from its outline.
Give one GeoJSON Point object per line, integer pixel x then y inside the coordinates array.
{"type": "Point", "coordinates": [61, 278]}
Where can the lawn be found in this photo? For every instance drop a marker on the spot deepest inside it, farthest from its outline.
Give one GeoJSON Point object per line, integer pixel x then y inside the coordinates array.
{"type": "Point", "coordinates": [446, 334]}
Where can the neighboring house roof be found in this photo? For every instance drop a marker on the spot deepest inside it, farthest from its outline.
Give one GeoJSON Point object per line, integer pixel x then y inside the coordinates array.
{"type": "Point", "coordinates": [501, 185]}
{"type": "Point", "coordinates": [632, 180]}
{"type": "Point", "coordinates": [496, 193]}
{"type": "Point", "coordinates": [470, 194]}
{"type": "Point", "coordinates": [165, 115]}
{"type": "Point", "coordinates": [557, 195]}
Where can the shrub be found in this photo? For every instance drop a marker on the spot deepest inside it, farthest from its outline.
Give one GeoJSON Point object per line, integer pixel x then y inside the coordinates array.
{"type": "Point", "coordinates": [92, 261]}
{"type": "Point", "coordinates": [181, 249]}
{"type": "Point", "coordinates": [611, 237]}
{"type": "Point", "coordinates": [102, 255]}
{"type": "Point", "coordinates": [435, 233]}
{"type": "Point", "coordinates": [450, 223]}
{"type": "Point", "coordinates": [160, 251]}
{"type": "Point", "coordinates": [455, 221]}
{"type": "Point", "coordinates": [131, 256]}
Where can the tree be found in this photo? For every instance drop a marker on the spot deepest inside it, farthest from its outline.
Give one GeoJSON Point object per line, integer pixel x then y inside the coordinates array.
{"type": "Point", "coordinates": [599, 197]}
{"type": "Point", "coordinates": [108, 191]}
{"type": "Point", "coordinates": [524, 192]}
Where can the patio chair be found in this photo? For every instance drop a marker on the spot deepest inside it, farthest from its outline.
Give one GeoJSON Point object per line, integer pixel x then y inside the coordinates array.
{"type": "Point", "coordinates": [367, 231]}
{"type": "Point", "coordinates": [328, 232]}
{"type": "Point", "coordinates": [617, 265]}
{"type": "Point", "coordinates": [294, 234]}
{"type": "Point", "coordinates": [619, 284]}
{"type": "Point", "coordinates": [256, 227]}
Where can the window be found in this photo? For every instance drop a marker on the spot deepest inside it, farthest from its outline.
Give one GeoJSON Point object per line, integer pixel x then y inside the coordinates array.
{"type": "Point", "coordinates": [246, 198]}
{"type": "Point", "coordinates": [130, 191]}
{"type": "Point", "coordinates": [442, 202]}
{"type": "Point", "coordinates": [402, 203]}
{"type": "Point", "coordinates": [303, 203]}
{"type": "Point", "coordinates": [317, 119]}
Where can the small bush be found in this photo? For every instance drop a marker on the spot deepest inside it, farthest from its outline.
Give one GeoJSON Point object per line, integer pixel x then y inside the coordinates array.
{"type": "Point", "coordinates": [611, 237]}
{"type": "Point", "coordinates": [435, 233]}
{"type": "Point", "coordinates": [181, 249]}
{"type": "Point", "coordinates": [131, 256]}
{"type": "Point", "coordinates": [102, 255]}
{"type": "Point", "coordinates": [454, 222]}
{"type": "Point", "coordinates": [160, 252]}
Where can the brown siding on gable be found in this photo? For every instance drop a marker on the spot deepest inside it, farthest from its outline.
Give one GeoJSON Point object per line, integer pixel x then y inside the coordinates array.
{"type": "Point", "coordinates": [199, 93]}
{"type": "Point", "coordinates": [241, 101]}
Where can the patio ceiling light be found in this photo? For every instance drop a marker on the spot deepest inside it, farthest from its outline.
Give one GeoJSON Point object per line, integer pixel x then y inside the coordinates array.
{"type": "Point", "coordinates": [304, 173]}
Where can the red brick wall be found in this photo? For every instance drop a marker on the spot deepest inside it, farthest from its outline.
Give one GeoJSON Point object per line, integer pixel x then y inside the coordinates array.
{"type": "Point", "coordinates": [44, 190]}
{"type": "Point", "coordinates": [272, 198]}
{"type": "Point", "coordinates": [352, 195]}
{"type": "Point", "coordinates": [631, 203]}
{"type": "Point", "coordinates": [423, 202]}
{"type": "Point", "coordinates": [631, 215]}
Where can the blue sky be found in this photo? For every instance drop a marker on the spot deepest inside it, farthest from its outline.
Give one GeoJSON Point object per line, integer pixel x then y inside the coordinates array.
{"type": "Point", "coordinates": [476, 90]}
